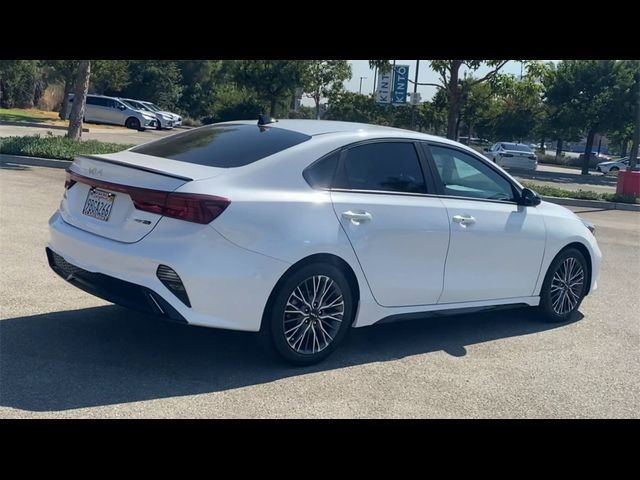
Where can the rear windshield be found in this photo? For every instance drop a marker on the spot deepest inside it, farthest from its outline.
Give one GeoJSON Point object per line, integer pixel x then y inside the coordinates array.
{"type": "Point", "coordinates": [223, 146]}
{"type": "Point", "coordinates": [518, 147]}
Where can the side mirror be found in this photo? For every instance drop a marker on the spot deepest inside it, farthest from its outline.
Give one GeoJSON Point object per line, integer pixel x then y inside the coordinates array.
{"type": "Point", "coordinates": [529, 198]}
{"type": "Point", "coordinates": [122, 107]}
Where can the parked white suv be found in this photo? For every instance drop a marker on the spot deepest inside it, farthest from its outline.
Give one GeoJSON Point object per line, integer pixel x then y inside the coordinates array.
{"type": "Point", "coordinates": [101, 109]}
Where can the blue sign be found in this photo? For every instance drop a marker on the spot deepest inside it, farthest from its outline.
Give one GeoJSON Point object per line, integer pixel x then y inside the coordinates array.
{"type": "Point", "coordinates": [400, 84]}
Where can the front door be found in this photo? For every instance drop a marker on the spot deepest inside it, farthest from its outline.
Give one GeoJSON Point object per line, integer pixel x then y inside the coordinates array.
{"type": "Point", "coordinates": [496, 245]}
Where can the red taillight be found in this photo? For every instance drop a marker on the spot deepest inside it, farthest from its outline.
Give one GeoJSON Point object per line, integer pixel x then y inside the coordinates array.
{"type": "Point", "coordinates": [194, 207]}
{"type": "Point", "coordinates": [191, 207]}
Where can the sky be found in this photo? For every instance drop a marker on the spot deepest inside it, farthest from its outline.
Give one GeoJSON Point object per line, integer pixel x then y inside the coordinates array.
{"type": "Point", "coordinates": [361, 68]}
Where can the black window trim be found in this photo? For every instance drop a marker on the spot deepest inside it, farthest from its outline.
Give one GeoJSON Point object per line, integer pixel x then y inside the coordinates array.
{"type": "Point", "coordinates": [422, 162]}
{"type": "Point", "coordinates": [426, 147]}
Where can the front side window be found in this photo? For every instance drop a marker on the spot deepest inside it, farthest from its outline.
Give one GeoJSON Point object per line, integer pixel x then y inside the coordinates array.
{"type": "Point", "coordinates": [392, 167]}
{"type": "Point", "coordinates": [463, 175]}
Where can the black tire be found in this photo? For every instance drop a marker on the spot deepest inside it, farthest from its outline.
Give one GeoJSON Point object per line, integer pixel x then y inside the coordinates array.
{"type": "Point", "coordinates": [614, 169]}
{"type": "Point", "coordinates": [132, 123]}
{"type": "Point", "coordinates": [159, 125]}
{"type": "Point", "coordinates": [272, 332]}
{"type": "Point", "coordinates": [553, 308]}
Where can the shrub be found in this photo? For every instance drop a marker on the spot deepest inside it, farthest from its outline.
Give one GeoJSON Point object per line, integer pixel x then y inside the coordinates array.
{"type": "Point", "coordinates": [56, 147]}
{"type": "Point", "coordinates": [191, 122]}
{"type": "Point", "coordinates": [549, 191]}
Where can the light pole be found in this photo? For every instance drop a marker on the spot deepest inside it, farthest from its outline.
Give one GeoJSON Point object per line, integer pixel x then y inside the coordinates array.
{"type": "Point", "coordinates": [361, 78]}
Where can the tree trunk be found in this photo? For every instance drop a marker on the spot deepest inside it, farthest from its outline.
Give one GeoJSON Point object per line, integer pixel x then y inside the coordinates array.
{"type": "Point", "coordinates": [587, 152]}
{"type": "Point", "coordinates": [317, 100]}
{"type": "Point", "coordinates": [68, 85]}
{"type": "Point", "coordinates": [79, 100]}
{"type": "Point", "coordinates": [542, 145]}
{"type": "Point", "coordinates": [559, 149]}
{"type": "Point", "coordinates": [454, 94]}
{"type": "Point", "coordinates": [272, 110]}
{"type": "Point", "coordinates": [633, 154]}
{"type": "Point", "coordinates": [624, 148]}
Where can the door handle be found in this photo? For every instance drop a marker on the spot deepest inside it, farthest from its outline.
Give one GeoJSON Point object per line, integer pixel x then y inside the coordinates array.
{"type": "Point", "coordinates": [357, 217]}
{"type": "Point", "coordinates": [464, 219]}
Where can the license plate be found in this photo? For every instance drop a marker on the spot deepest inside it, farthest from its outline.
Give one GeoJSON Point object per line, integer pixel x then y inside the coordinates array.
{"type": "Point", "coordinates": [99, 204]}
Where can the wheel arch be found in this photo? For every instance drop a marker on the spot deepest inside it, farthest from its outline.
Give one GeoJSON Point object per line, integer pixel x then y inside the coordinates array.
{"type": "Point", "coordinates": [316, 258]}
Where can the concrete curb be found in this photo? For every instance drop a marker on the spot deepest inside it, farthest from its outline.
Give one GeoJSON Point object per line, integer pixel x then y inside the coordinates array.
{"type": "Point", "coordinates": [38, 125]}
{"type": "Point", "coordinates": [34, 161]}
{"type": "Point", "coordinates": [575, 202]}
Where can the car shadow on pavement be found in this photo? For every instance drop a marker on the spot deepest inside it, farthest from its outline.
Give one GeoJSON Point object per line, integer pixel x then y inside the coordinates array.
{"type": "Point", "coordinates": [109, 355]}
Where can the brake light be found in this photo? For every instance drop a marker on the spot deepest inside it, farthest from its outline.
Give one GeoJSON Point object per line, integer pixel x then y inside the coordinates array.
{"type": "Point", "coordinates": [190, 207]}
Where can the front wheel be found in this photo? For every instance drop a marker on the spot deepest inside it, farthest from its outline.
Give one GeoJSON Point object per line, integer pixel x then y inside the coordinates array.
{"type": "Point", "coordinates": [310, 314]}
{"type": "Point", "coordinates": [132, 123]}
{"type": "Point", "coordinates": [613, 169]}
{"type": "Point", "coordinates": [564, 286]}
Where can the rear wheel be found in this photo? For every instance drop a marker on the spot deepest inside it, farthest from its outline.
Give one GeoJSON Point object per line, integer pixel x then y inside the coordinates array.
{"type": "Point", "coordinates": [310, 314]}
{"type": "Point", "coordinates": [564, 287]}
{"type": "Point", "coordinates": [133, 123]}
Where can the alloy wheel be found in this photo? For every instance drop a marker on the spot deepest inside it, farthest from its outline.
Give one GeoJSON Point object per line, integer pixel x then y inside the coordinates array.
{"type": "Point", "coordinates": [567, 285]}
{"type": "Point", "coordinates": [313, 314]}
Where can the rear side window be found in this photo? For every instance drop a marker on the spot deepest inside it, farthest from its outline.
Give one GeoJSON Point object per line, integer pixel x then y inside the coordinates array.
{"type": "Point", "coordinates": [320, 174]}
{"type": "Point", "coordinates": [392, 167]}
{"type": "Point", "coordinates": [223, 146]}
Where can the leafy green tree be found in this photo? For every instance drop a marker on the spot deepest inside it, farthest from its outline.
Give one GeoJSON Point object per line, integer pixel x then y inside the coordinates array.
{"type": "Point", "coordinates": [323, 78]}
{"type": "Point", "coordinates": [158, 81]}
{"type": "Point", "coordinates": [63, 71]}
{"type": "Point", "coordinates": [18, 79]}
{"type": "Point", "coordinates": [451, 83]}
{"type": "Point", "coordinates": [589, 94]}
{"type": "Point", "coordinates": [200, 78]}
{"type": "Point", "coordinates": [274, 81]}
{"type": "Point", "coordinates": [109, 77]}
{"type": "Point", "coordinates": [519, 107]}
{"type": "Point", "coordinates": [356, 107]}
{"type": "Point", "coordinates": [233, 103]}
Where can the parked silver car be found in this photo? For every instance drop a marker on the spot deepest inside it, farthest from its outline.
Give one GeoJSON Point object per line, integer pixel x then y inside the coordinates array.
{"type": "Point", "coordinates": [613, 166]}
{"type": "Point", "coordinates": [165, 119]}
{"type": "Point", "coordinates": [514, 155]}
{"type": "Point", "coordinates": [111, 110]}
{"type": "Point", "coordinates": [177, 119]}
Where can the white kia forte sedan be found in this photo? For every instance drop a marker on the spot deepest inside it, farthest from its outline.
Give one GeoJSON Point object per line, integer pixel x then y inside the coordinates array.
{"type": "Point", "coordinates": [301, 229]}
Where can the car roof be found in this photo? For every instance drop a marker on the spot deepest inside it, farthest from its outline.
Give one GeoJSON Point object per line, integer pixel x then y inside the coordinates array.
{"type": "Point", "coordinates": [322, 127]}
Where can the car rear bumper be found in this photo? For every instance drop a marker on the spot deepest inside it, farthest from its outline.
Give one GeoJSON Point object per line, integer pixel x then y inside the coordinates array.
{"type": "Point", "coordinates": [114, 290]}
{"type": "Point", "coordinates": [228, 286]}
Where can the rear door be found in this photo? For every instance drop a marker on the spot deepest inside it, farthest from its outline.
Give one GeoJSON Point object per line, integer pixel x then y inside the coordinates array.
{"type": "Point", "coordinates": [399, 232]}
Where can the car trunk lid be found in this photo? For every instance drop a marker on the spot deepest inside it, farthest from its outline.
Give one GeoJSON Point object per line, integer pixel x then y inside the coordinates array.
{"type": "Point", "coordinates": [114, 195]}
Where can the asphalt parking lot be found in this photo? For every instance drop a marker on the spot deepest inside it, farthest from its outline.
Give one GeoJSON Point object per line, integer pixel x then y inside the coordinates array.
{"type": "Point", "coordinates": [64, 353]}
